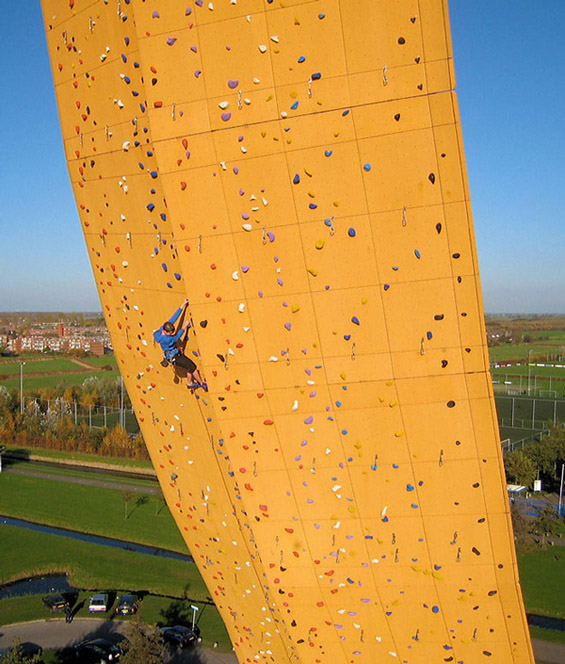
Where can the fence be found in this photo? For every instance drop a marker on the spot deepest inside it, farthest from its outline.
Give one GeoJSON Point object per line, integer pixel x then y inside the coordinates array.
{"type": "Point", "coordinates": [528, 413]}
{"type": "Point", "coordinates": [95, 416]}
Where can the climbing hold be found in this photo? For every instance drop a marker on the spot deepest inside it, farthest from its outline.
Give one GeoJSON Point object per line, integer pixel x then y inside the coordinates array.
{"type": "Point", "coordinates": [351, 232]}
{"type": "Point", "coordinates": [367, 167]}
{"type": "Point", "coordinates": [319, 244]}
{"type": "Point", "coordinates": [355, 320]}
{"type": "Point", "coordinates": [203, 323]}
{"type": "Point", "coordinates": [432, 178]}
{"type": "Point", "coordinates": [235, 275]}
{"type": "Point", "coordinates": [247, 227]}
{"type": "Point", "coordinates": [232, 84]}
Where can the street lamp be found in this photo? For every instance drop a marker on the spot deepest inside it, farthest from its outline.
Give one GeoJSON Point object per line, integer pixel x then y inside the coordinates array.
{"type": "Point", "coordinates": [22, 387]}
{"type": "Point", "coordinates": [529, 369]}
{"type": "Point", "coordinates": [194, 610]}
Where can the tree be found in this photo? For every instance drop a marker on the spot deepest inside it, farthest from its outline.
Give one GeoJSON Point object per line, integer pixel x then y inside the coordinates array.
{"type": "Point", "coordinates": [127, 496]}
{"type": "Point", "coordinates": [546, 523]}
{"type": "Point", "coordinates": [519, 468]}
{"type": "Point", "coordinates": [144, 644]}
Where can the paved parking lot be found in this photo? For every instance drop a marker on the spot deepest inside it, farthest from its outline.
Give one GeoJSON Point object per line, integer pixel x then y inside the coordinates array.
{"type": "Point", "coordinates": [56, 633]}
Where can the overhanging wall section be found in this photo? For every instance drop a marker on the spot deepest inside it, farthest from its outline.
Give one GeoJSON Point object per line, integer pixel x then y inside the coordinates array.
{"type": "Point", "coordinates": [296, 170]}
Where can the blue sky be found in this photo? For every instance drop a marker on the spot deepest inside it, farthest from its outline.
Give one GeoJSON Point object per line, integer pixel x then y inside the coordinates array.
{"type": "Point", "coordinates": [510, 83]}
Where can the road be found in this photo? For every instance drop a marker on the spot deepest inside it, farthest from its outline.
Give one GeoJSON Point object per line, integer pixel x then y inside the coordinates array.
{"type": "Point", "coordinates": [56, 633]}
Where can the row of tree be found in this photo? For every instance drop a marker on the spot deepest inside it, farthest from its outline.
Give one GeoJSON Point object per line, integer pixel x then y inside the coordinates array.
{"type": "Point", "coordinates": [52, 427]}
{"type": "Point", "coordinates": [538, 460]}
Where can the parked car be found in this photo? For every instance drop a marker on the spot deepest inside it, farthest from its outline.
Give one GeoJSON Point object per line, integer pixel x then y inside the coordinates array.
{"type": "Point", "coordinates": [27, 649]}
{"type": "Point", "coordinates": [98, 603]}
{"type": "Point", "coordinates": [55, 602]}
{"type": "Point", "coordinates": [97, 651]}
{"type": "Point", "coordinates": [180, 636]}
{"type": "Point", "coordinates": [127, 605]}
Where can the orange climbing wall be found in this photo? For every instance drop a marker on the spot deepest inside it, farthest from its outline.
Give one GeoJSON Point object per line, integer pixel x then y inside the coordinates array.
{"type": "Point", "coordinates": [295, 168]}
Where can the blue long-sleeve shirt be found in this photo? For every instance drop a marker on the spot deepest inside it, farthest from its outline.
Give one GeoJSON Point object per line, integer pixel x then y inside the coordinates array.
{"type": "Point", "coordinates": [168, 341]}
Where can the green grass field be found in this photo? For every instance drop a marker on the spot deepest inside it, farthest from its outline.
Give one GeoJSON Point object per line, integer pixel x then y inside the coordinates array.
{"type": "Point", "coordinates": [53, 380]}
{"type": "Point", "coordinates": [39, 366]}
{"type": "Point", "coordinates": [94, 568]}
{"type": "Point", "coordinates": [89, 509]}
{"type": "Point", "coordinates": [542, 575]}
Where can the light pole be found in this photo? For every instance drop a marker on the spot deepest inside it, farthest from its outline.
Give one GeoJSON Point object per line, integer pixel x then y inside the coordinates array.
{"type": "Point", "coordinates": [529, 370]}
{"type": "Point", "coordinates": [22, 387]}
{"type": "Point", "coordinates": [194, 610]}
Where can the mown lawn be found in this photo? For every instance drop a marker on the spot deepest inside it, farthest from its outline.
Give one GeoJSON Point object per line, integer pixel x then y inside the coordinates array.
{"type": "Point", "coordinates": [53, 380]}
{"type": "Point", "coordinates": [542, 576]}
{"type": "Point", "coordinates": [37, 366]}
{"type": "Point", "coordinates": [89, 509]}
{"type": "Point", "coordinates": [94, 567]}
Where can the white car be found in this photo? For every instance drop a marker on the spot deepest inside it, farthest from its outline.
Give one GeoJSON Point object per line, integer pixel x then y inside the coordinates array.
{"type": "Point", "coordinates": [98, 603]}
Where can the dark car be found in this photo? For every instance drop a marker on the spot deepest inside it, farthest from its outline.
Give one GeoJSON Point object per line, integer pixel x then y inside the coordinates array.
{"type": "Point", "coordinates": [55, 602]}
{"type": "Point", "coordinates": [127, 605]}
{"type": "Point", "coordinates": [180, 636]}
{"type": "Point", "coordinates": [98, 651]}
{"type": "Point", "coordinates": [27, 649]}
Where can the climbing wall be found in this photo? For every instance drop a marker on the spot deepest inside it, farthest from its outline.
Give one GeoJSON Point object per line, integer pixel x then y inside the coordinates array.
{"type": "Point", "coordinates": [295, 169]}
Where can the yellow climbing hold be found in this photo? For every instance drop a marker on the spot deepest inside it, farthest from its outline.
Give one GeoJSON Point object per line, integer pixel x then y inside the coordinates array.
{"type": "Point", "coordinates": [294, 308]}
{"type": "Point", "coordinates": [343, 375]}
{"type": "Point", "coordinates": [320, 244]}
{"type": "Point", "coordinates": [399, 433]}
{"type": "Point", "coordinates": [313, 271]}
{"type": "Point", "coordinates": [308, 172]}
{"type": "Point", "coordinates": [358, 444]}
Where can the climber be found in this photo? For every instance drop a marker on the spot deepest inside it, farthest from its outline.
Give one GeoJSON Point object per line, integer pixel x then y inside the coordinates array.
{"type": "Point", "coordinates": [168, 339]}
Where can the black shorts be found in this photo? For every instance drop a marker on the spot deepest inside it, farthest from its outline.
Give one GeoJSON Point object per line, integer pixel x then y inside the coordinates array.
{"type": "Point", "coordinates": [183, 361]}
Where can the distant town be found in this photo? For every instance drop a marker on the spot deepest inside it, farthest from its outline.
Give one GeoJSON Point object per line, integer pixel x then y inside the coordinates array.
{"type": "Point", "coordinates": [22, 332]}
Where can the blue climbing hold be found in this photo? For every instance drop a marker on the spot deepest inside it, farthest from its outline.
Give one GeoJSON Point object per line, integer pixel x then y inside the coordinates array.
{"type": "Point", "coordinates": [328, 153]}
{"type": "Point", "coordinates": [296, 179]}
{"type": "Point", "coordinates": [417, 253]}
{"type": "Point", "coordinates": [301, 58]}
{"type": "Point", "coordinates": [351, 232]}
{"type": "Point", "coordinates": [367, 167]}
{"type": "Point", "coordinates": [355, 320]}
{"type": "Point", "coordinates": [164, 266]}
{"type": "Point", "coordinates": [294, 106]}
{"type": "Point", "coordinates": [317, 76]}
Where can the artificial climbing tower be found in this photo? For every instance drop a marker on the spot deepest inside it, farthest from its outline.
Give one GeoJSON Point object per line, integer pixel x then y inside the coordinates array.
{"type": "Point", "coordinates": [295, 168]}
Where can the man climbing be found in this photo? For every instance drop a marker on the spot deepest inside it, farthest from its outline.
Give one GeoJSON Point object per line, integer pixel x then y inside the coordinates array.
{"type": "Point", "coordinates": [168, 339]}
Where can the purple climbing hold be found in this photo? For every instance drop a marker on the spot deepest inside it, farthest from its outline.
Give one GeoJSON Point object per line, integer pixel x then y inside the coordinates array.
{"type": "Point", "coordinates": [309, 419]}
{"type": "Point", "coordinates": [171, 40]}
{"type": "Point", "coordinates": [245, 268]}
{"type": "Point", "coordinates": [232, 84]}
{"type": "Point", "coordinates": [271, 236]}
{"type": "Point", "coordinates": [155, 14]}
{"type": "Point", "coordinates": [194, 49]}
{"type": "Point", "coordinates": [188, 11]}
{"type": "Point", "coordinates": [199, 3]}
{"type": "Point", "coordinates": [197, 72]}
{"type": "Point", "coordinates": [287, 326]}
{"type": "Point", "coordinates": [226, 116]}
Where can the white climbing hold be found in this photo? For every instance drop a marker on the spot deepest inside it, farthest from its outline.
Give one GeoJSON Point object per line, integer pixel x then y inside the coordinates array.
{"type": "Point", "coordinates": [125, 263]}
{"type": "Point", "coordinates": [265, 201]}
{"type": "Point", "coordinates": [256, 81]}
{"type": "Point", "coordinates": [328, 451]}
{"type": "Point", "coordinates": [262, 48]}
{"type": "Point", "coordinates": [247, 227]}
{"type": "Point", "coordinates": [125, 146]}
{"type": "Point", "coordinates": [384, 509]}
{"type": "Point", "coordinates": [295, 405]}
{"type": "Point", "coordinates": [241, 308]}
{"type": "Point", "coordinates": [235, 275]}
{"type": "Point", "coordinates": [223, 105]}
{"type": "Point", "coordinates": [273, 358]}
{"type": "Point", "coordinates": [246, 329]}
{"type": "Point", "coordinates": [275, 38]}
{"type": "Point", "coordinates": [223, 165]}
